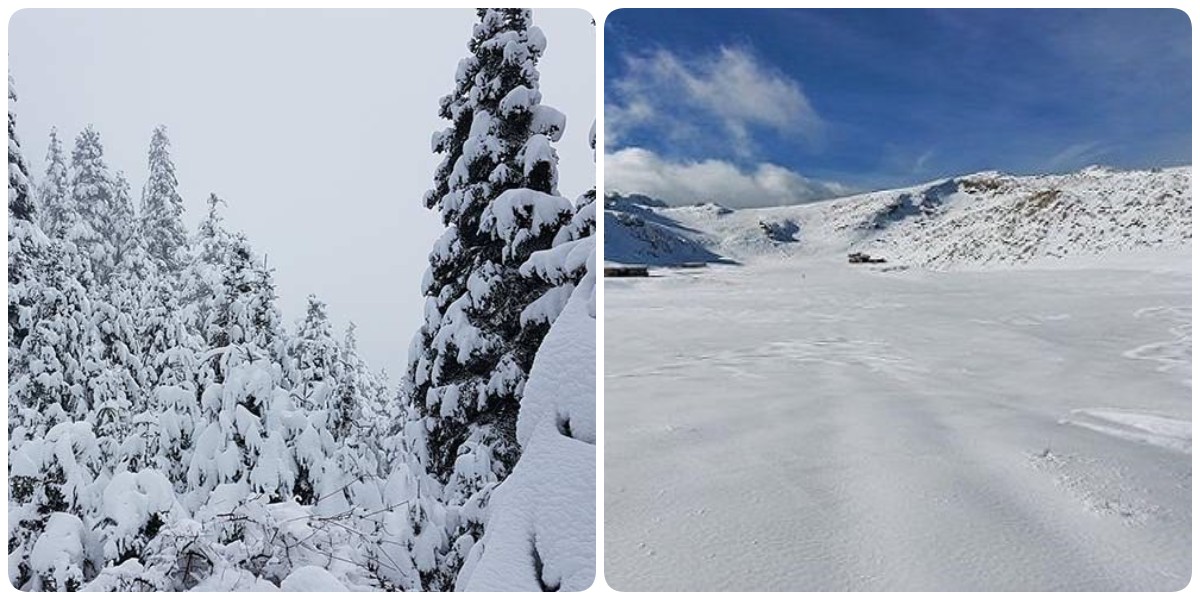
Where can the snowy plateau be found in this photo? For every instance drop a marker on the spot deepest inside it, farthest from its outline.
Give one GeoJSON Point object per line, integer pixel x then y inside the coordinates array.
{"type": "Point", "coordinates": [1004, 404]}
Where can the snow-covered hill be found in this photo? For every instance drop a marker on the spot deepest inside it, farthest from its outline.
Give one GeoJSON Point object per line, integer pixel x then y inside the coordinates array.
{"type": "Point", "coordinates": [969, 220]}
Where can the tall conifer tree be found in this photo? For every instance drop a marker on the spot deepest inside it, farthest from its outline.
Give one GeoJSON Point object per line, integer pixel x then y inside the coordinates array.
{"type": "Point", "coordinates": [469, 361]}
{"type": "Point", "coordinates": [162, 208]}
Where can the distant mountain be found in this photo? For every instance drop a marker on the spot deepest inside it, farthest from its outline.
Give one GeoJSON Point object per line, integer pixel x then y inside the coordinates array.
{"type": "Point", "coordinates": [984, 218]}
{"type": "Point", "coordinates": [639, 229]}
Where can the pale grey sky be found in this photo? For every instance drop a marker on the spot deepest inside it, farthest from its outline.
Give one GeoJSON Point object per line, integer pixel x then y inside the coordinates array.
{"type": "Point", "coordinates": [313, 125]}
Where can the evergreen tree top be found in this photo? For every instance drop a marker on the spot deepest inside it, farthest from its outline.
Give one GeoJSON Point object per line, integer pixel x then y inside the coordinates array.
{"type": "Point", "coordinates": [88, 155]}
{"type": "Point", "coordinates": [56, 163]}
{"type": "Point", "coordinates": [316, 320]}
{"type": "Point", "coordinates": [162, 178]}
{"type": "Point", "coordinates": [55, 190]}
{"type": "Point", "coordinates": [499, 134]}
{"type": "Point", "coordinates": [162, 207]}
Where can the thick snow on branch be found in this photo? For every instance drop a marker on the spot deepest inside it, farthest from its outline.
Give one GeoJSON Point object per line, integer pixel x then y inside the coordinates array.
{"type": "Point", "coordinates": [520, 215]}
{"type": "Point", "coordinates": [540, 534]}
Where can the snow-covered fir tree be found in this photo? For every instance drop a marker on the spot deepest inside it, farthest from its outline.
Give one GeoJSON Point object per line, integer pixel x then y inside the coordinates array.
{"type": "Point", "coordinates": [48, 313]}
{"type": "Point", "coordinates": [468, 364]}
{"type": "Point", "coordinates": [363, 400]}
{"type": "Point", "coordinates": [127, 243]}
{"type": "Point", "coordinates": [164, 422]}
{"type": "Point", "coordinates": [54, 193]}
{"type": "Point", "coordinates": [162, 226]}
{"type": "Point", "coordinates": [26, 245]}
{"type": "Point", "coordinates": [202, 278]}
{"type": "Point", "coordinates": [315, 375]}
{"type": "Point", "coordinates": [113, 364]}
{"type": "Point", "coordinates": [52, 462]}
{"type": "Point", "coordinates": [240, 380]}
{"type": "Point", "coordinates": [552, 535]}
{"type": "Point", "coordinates": [90, 226]}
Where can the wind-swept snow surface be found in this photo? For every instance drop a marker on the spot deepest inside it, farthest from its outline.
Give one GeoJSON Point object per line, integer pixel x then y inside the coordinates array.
{"type": "Point", "coordinates": [805, 424]}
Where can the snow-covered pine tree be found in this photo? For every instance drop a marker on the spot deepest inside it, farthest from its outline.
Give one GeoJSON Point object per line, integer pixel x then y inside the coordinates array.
{"type": "Point", "coordinates": [20, 201]}
{"type": "Point", "coordinates": [47, 378]}
{"type": "Point", "coordinates": [359, 427]}
{"type": "Point", "coordinates": [162, 430]}
{"type": "Point", "coordinates": [239, 316]}
{"type": "Point", "coordinates": [54, 497]}
{"type": "Point", "coordinates": [365, 423]}
{"type": "Point", "coordinates": [128, 245]}
{"type": "Point", "coordinates": [468, 363]}
{"type": "Point", "coordinates": [352, 400]}
{"type": "Point", "coordinates": [48, 312]}
{"type": "Point", "coordinates": [52, 463]}
{"type": "Point", "coordinates": [46, 389]}
{"type": "Point", "coordinates": [111, 388]}
{"type": "Point", "coordinates": [54, 194]}
{"type": "Point", "coordinates": [558, 410]}
{"type": "Point", "coordinates": [92, 201]}
{"type": "Point", "coordinates": [314, 353]}
{"type": "Point", "coordinates": [26, 244]}
{"type": "Point", "coordinates": [203, 276]}
{"type": "Point", "coordinates": [162, 208]}
{"type": "Point", "coordinates": [114, 357]}
{"type": "Point", "coordinates": [240, 434]}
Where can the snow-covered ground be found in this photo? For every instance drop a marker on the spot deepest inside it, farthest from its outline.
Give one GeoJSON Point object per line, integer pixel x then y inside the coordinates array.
{"type": "Point", "coordinates": [799, 423]}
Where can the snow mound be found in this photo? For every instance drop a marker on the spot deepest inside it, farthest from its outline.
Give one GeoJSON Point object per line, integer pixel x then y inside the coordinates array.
{"type": "Point", "coordinates": [131, 500]}
{"type": "Point", "coordinates": [541, 536]}
{"type": "Point", "coordinates": [58, 555]}
{"type": "Point", "coordinates": [235, 580]}
{"type": "Point", "coordinates": [311, 579]}
{"type": "Point", "coordinates": [562, 382]}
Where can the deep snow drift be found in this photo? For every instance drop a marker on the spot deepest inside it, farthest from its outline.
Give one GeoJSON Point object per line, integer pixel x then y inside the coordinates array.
{"type": "Point", "coordinates": [795, 422]}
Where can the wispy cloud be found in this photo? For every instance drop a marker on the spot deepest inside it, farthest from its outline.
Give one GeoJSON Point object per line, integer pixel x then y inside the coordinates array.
{"type": "Point", "coordinates": [1079, 155]}
{"type": "Point", "coordinates": [919, 164]}
{"type": "Point", "coordinates": [637, 170]}
{"type": "Point", "coordinates": [732, 88]}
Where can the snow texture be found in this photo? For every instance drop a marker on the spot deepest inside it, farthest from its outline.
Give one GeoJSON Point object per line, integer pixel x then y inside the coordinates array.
{"type": "Point", "coordinates": [796, 422]}
{"type": "Point", "coordinates": [541, 530]}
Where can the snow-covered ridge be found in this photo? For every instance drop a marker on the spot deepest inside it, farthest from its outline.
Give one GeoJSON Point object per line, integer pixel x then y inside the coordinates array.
{"type": "Point", "coordinates": [984, 218]}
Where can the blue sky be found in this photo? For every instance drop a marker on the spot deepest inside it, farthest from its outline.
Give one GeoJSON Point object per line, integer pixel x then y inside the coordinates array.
{"type": "Point", "coordinates": [791, 105]}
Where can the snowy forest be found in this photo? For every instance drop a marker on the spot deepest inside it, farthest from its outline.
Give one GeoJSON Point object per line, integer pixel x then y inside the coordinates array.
{"type": "Point", "coordinates": [169, 431]}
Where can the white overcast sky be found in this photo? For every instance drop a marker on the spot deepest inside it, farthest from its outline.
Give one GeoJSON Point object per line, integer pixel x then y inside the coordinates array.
{"type": "Point", "coordinates": [314, 126]}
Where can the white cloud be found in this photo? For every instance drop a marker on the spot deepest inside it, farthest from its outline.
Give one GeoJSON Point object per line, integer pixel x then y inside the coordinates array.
{"type": "Point", "coordinates": [640, 171]}
{"type": "Point", "coordinates": [731, 86]}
